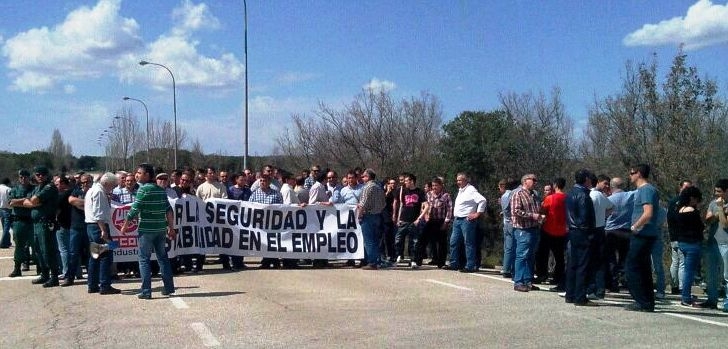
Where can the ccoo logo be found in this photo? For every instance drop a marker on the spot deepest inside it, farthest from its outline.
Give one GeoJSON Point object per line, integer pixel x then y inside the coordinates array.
{"type": "Point", "coordinates": [117, 219]}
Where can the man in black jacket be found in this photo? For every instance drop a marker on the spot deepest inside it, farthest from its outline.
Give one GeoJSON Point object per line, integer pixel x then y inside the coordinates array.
{"type": "Point", "coordinates": [581, 221]}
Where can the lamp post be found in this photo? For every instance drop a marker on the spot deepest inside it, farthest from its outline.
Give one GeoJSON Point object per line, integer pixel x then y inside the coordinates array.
{"type": "Point", "coordinates": [174, 104]}
{"type": "Point", "coordinates": [123, 134]}
{"type": "Point", "coordinates": [147, 111]}
{"type": "Point", "coordinates": [245, 156]}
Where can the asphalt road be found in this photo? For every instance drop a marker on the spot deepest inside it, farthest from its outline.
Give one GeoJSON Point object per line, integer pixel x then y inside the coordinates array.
{"type": "Point", "coordinates": [336, 308]}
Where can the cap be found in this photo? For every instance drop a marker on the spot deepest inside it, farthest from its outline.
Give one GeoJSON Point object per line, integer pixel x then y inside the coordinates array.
{"type": "Point", "coordinates": [162, 175]}
{"type": "Point", "coordinates": [41, 170]}
{"type": "Point", "coordinates": [24, 173]}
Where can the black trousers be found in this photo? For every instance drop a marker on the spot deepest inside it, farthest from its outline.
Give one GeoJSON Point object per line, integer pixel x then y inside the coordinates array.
{"type": "Point", "coordinates": [616, 245]}
{"type": "Point", "coordinates": [556, 245]}
{"type": "Point", "coordinates": [638, 271]}
{"type": "Point", "coordinates": [434, 233]}
{"type": "Point", "coordinates": [577, 266]}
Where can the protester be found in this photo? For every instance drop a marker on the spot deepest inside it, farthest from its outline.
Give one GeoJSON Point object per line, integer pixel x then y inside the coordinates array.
{"type": "Point", "coordinates": [156, 221]}
{"type": "Point", "coordinates": [468, 208]}
{"type": "Point", "coordinates": [644, 234]}
{"type": "Point", "coordinates": [526, 220]}
{"type": "Point", "coordinates": [97, 210]}
{"type": "Point", "coordinates": [688, 230]}
{"type": "Point", "coordinates": [369, 211]}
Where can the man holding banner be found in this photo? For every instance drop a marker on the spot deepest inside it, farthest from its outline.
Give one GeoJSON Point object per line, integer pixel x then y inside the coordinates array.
{"type": "Point", "coordinates": [267, 195]}
{"type": "Point", "coordinates": [155, 218]}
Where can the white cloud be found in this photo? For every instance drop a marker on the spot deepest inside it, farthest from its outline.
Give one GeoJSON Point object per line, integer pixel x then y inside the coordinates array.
{"type": "Point", "coordinates": [69, 89]}
{"type": "Point", "coordinates": [178, 50]}
{"type": "Point", "coordinates": [705, 24]}
{"type": "Point", "coordinates": [379, 85]}
{"type": "Point", "coordinates": [191, 17]}
{"type": "Point", "coordinates": [94, 42]}
{"type": "Point", "coordinates": [85, 45]}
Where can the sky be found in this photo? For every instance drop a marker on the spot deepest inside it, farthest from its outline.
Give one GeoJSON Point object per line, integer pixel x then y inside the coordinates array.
{"type": "Point", "coordinates": [67, 64]}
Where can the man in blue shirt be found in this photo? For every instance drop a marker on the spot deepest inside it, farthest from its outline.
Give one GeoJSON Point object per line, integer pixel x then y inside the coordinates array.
{"type": "Point", "coordinates": [617, 233]}
{"type": "Point", "coordinates": [644, 234]}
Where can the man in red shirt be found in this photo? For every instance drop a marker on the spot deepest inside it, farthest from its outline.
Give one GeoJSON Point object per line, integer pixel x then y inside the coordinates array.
{"type": "Point", "coordinates": [553, 235]}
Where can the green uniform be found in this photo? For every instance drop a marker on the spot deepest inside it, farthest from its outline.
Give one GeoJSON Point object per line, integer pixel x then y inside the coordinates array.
{"type": "Point", "coordinates": [22, 224]}
{"type": "Point", "coordinates": [43, 217]}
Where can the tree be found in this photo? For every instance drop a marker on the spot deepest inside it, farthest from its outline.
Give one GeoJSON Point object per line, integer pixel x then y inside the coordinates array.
{"type": "Point", "coordinates": [679, 130]}
{"type": "Point", "coordinates": [480, 144]}
{"type": "Point", "coordinates": [61, 153]}
{"type": "Point", "coordinates": [375, 131]}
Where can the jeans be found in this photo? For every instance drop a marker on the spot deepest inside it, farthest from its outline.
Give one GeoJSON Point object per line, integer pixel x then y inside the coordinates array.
{"type": "Point", "coordinates": [509, 248]}
{"type": "Point", "coordinates": [63, 237]}
{"type": "Point", "coordinates": [677, 266]}
{"type": "Point", "coordinates": [370, 224]}
{"type": "Point", "coordinates": [148, 244]}
{"type": "Point", "coordinates": [691, 253]}
{"type": "Point", "coordinates": [99, 270]}
{"type": "Point", "coordinates": [717, 257]}
{"type": "Point", "coordinates": [5, 217]}
{"type": "Point", "coordinates": [414, 235]}
{"type": "Point", "coordinates": [638, 271]}
{"type": "Point", "coordinates": [77, 241]}
{"type": "Point", "coordinates": [657, 249]}
{"type": "Point", "coordinates": [577, 266]}
{"type": "Point", "coordinates": [526, 242]}
{"type": "Point", "coordinates": [463, 230]}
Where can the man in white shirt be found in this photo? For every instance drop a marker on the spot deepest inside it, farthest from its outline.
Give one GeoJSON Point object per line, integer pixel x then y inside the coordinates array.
{"type": "Point", "coordinates": [211, 188]}
{"type": "Point", "coordinates": [468, 207]}
{"type": "Point", "coordinates": [5, 212]}
{"type": "Point", "coordinates": [602, 208]}
{"type": "Point", "coordinates": [97, 208]}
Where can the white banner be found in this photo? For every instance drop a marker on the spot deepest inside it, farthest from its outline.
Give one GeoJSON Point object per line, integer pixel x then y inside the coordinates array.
{"type": "Point", "coordinates": [238, 228]}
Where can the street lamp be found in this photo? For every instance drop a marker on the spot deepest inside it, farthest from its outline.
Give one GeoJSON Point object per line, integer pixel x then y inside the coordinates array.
{"type": "Point", "coordinates": [245, 156]}
{"type": "Point", "coordinates": [174, 104]}
{"type": "Point", "coordinates": [147, 111]}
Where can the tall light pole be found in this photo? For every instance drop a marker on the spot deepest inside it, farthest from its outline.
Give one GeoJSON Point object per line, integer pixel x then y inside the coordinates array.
{"type": "Point", "coordinates": [147, 111]}
{"type": "Point", "coordinates": [245, 156]}
{"type": "Point", "coordinates": [174, 104]}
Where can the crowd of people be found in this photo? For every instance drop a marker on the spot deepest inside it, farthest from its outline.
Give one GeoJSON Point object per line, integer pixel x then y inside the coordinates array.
{"type": "Point", "coordinates": [598, 236]}
{"type": "Point", "coordinates": [602, 237]}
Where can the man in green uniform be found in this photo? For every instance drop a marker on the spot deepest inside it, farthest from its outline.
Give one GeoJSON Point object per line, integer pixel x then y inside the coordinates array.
{"type": "Point", "coordinates": [43, 204]}
{"type": "Point", "coordinates": [22, 224]}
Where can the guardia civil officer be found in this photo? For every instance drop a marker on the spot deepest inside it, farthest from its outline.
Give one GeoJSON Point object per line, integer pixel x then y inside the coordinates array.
{"type": "Point", "coordinates": [43, 204]}
{"type": "Point", "coordinates": [21, 222]}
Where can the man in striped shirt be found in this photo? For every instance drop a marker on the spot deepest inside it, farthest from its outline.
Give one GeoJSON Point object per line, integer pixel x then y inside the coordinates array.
{"type": "Point", "coordinates": [526, 220]}
{"type": "Point", "coordinates": [155, 219]}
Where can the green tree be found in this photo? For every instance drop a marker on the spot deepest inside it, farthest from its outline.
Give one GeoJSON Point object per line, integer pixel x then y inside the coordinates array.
{"type": "Point", "coordinates": [678, 129]}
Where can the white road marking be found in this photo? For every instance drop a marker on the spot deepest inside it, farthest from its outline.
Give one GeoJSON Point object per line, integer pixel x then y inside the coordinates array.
{"type": "Point", "coordinates": [448, 285]}
{"type": "Point", "coordinates": [496, 278]}
{"type": "Point", "coordinates": [178, 303]}
{"type": "Point", "coordinates": [688, 317]}
{"type": "Point", "coordinates": [204, 333]}
{"type": "Point", "coordinates": [10, 257]}
{"type": "Point", "coordinates": [623, 302]}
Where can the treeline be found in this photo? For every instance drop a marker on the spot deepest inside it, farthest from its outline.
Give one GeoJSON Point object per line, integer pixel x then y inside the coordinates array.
{"type": "Point", "coordinates": [678, 124]}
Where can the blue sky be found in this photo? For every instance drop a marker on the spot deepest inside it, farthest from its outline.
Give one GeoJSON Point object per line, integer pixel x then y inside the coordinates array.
{"type": "Point", "coordinates": [66, 64]}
